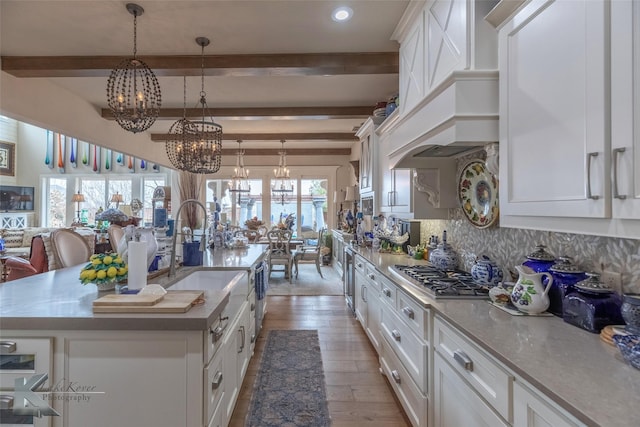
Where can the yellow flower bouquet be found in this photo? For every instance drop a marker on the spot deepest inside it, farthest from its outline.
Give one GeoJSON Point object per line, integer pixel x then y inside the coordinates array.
{"type": "Point", "coordinates": [105, 270]}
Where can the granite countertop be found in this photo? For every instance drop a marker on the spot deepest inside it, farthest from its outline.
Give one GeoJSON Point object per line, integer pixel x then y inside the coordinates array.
{"type": "Point", "coordinates": [56, 300]}
{"type": "Point", "coordinates": [572, 366]}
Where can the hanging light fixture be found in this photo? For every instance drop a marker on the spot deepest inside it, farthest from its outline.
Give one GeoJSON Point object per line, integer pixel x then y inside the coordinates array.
{"type": "Point", "coordinates": [240, 179]}
{"type": "Point", "coordinates": [181, 134]}
{"type": "Point", "coordinates": [282, 185]}
{"type": "Point", "coordinates": [133, 91]}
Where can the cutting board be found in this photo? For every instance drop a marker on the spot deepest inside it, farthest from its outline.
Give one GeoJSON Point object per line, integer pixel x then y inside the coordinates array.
{"type": "Point", "coordinates": [116, 299]}
{"type": "Point", "coordinates": [173, 302]}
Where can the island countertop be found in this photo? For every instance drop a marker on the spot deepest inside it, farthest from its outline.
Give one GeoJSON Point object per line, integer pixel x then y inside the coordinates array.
{"type": "Point", "coordinates": [576, 369]}
{"type": "Point", "coordinates": [56, 300]}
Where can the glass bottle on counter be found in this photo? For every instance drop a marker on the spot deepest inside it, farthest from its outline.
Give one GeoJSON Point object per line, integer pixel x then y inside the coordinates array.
{"type": "Point", "coordinates": [592, 305]}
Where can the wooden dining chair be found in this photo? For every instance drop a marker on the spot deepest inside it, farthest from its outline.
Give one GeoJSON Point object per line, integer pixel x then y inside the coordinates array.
{"type": "Point", "coordinates": [279, 251]}
{"type": "Point", "coordinates": [309, 254]}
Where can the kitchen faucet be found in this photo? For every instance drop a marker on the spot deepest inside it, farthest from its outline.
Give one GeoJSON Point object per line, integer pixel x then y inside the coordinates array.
{"type": "Point", "coordinates": [203, 239]}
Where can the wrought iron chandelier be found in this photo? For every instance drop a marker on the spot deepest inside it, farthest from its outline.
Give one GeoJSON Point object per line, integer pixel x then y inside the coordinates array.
{"type": "Point", "coordinates": [282, 185]}
{"type": "Point", "coordinates": [240, 179]}
{"type": "Point", "coordinates": [133, 91]}
{"type": "Point", "coordinates": [196, 145]}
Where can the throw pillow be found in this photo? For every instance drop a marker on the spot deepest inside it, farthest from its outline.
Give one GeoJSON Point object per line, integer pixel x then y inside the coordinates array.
{"type": "Point", "coordinates": [28, 234]}
{"type": "Point", "coordinates": [13, 239]}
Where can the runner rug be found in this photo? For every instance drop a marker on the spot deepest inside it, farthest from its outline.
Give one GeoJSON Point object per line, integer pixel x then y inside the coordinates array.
{"type": "Point", "coordinates": [290, 388]}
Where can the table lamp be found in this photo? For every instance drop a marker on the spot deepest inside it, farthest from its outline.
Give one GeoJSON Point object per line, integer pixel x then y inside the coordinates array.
{"type": "Point", "coordinates": [117, 199]}
{"type": "Point", "coordinates": [77, 198]}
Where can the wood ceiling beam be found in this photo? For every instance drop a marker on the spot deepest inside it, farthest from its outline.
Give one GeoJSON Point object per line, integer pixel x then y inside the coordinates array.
{"type": "Point", "coordinates": [273, 113]}
{"type": "Point", "coordinates": [290, 152]}
{"type": "Point", "coordinates": [299, 64]}
{"type": "Point", "coordinates": [344, 136]}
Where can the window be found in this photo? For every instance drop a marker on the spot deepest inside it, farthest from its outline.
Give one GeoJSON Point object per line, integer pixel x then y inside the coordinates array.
{"type": "Point", "coordinates": [313, 206]}
{"type": "Point", "coordinates": [284, 206]}
{"type": "Point", "coordinates": [234, 208]}
{"type": "Point", "coordinates": [94, 191]}
{"type": "Point", "coordinates": [57, 213]}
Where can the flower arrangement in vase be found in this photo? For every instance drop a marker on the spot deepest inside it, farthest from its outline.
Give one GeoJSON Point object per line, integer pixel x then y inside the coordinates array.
{"type": "Point", "coordinates": [105, 270]}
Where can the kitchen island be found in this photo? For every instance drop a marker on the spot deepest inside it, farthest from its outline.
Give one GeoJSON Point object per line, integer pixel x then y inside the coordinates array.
{"type": "Point", "coordinates": [571, 370]}
{"type": "Point", "coordinates": [150, 369]}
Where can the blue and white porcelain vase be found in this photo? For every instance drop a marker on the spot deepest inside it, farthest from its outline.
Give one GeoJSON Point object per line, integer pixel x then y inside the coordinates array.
{"type": "Point", "coordinates": [444, 257]}
{"type": "Point", "coordinates": [486, 272]}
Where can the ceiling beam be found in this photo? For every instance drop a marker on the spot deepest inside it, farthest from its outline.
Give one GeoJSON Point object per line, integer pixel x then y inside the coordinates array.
{"type": "Point", "coordinates": [344, 136]}
{"type": "Point", "coordinates": [290, 152]}
{"type": "Point", "coordinates": [263, 113]}
{"type": "Point", "coordinates": [297, 64]}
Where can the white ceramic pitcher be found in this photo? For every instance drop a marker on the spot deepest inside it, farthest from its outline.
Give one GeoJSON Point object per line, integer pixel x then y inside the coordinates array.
{"type": "Point", "coordinates": [529, 294]}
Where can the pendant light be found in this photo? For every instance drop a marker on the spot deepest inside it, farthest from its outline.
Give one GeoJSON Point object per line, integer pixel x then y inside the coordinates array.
{"type": "Point", "coordinates": [240, 179]}
{"type": "Point", "coordinates": [282, 185]}
{"type": "Point", "coordinates": [180, 134]}
{"type": "Point", "coordinates": [133, 91]}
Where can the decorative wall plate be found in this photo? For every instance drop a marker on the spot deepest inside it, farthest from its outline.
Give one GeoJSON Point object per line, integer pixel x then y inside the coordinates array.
{"type": "Point", "coordinates": [478, 194]}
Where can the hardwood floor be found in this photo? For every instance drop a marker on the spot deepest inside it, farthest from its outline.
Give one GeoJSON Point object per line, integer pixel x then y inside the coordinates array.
{"type": "Point", "coordinates": [357, 393]}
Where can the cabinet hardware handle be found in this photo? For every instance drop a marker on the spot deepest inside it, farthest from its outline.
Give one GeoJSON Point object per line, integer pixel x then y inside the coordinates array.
{"type": "Point", "coordinates": [253, 306]}
{"type": "Point", "coordinates": [6, 401]}
{"type": "Point", "coordinates": [217, 380]}
{"type": "Point", "coordinates": [388, 198]}
{"type": "Point", "coordinates": [7, 347]}
{"type": "Point", "coordinates": [396, 376]}
{"type": "Point", "coordinates": [241, 330]}
{"type": "Point", "coordinates": [372, 277]}
{"type": "Point", "coordinates": [396, 335]}
{"type": "Point", "coordinates": [359, 265]}
{"type": "Point", "coordinates": [395, 198]}
{"type": "Point", "coordinates": [616, 153]}
{"type": "Point", "coordinates": [253, 338]}
{"type": "Point", "coordinates": [364, 293]}
{"type": "Point", "coordinates": [589, 195]}
{"type": "Point", "coordinates": [387, 292]}
{"type": "Point", "coordinates": [409, 312]}
{"type": "Point", "coordinates": [218, 332]}
{"type": "Point", "coordinates": [463, 360]}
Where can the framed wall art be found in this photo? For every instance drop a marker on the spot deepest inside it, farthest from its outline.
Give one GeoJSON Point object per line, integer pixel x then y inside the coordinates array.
{"type": "Point", "coordinates": [7, 158]}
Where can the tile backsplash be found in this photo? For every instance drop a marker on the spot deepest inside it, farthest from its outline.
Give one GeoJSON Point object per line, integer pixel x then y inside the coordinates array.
{"type": "Point", "coordinates": [509, 246]}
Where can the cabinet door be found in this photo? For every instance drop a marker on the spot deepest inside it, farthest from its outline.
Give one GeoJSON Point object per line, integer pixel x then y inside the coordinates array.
{"type": "Point", "coordinates": [366, 158]}
{"type": "Point", "coordinates": [373, 318]}
{"type": "Point", "coordinates": [531, 410]}
{"type": "Point", "coordinates": [402, 189]}
{"type": "Point", "coordinates": [360, 298]}
{"type": "Point", "coordinates": [553, 116]}
{"type": "Point", "coordinates": [386, 185]}
{"type": "Point", "coordinates": [455, 403]}
{"type": "Point", "coordinates": [625, 119]}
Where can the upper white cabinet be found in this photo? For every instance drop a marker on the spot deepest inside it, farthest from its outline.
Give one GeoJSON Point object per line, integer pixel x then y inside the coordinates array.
{"type": "Point", "coordinates": [569, 158]}
{"type": "Point", "coordinates": [625, 116]}
{"type": "Point", "coordinates": [554, 160]}
{"type": "Point", "coordinates": [368, 155]}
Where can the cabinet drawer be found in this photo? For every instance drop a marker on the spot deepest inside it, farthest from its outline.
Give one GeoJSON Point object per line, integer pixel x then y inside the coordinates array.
{"type": "Point", "coordinates": [481, 372]}
{"type": "Point", "coordinates": [360, 265]}
{"type": "Point", "coordinates": [408, 347]}
{"type": "Point", "coordinates": [387, 291]}
{"type": "Point", "coordinates": [213, 338]}
{"type": "Point", "coordinates": [213, 386]}
{"type": "Point", "coordinates": [373, 277]}
{"type": "Point", "coordinates": [409, 395]}
{"type": "Point", "coordinates": [414, 315]}
{"type": "Point", "coordinates": [24, 357]}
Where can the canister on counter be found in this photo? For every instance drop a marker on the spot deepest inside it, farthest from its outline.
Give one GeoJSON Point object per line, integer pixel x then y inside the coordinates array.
{"type": "Point", "coordinates": [565, 274]}
{"type": "Point", "coordinates": [592, 305]}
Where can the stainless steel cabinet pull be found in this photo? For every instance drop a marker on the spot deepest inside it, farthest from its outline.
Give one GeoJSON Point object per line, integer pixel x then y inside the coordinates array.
{"type": "Point", "coordinates": [253, 338]}
{"type": "Point", "coordinates": [241, 330]}
{"type": "Point", "coordinates": [364, 293]}
{"type": "Point", "coordinates": [217, 380]}
{"type": "Point", "coordinates": [409, 312]}
{"type": "Point", "coordinates": [6, 401]}
{"type": "Point", "coordinates": [359, 265]}
{"type": "Point", "coordinates": [396, 335]}
{"type": "Point", "coordinates": [387, 292]}
{"type": "Point", "coordinates": [372, 277]}
{"type": "Point", "coordinates": [389, 198]}
{"type": "Point", "coordinates": [396, 376]}
{"type": "Point", "coordinates": [616, 152]}
{"type": "Point", "coordinates": [463, 360]}
{"type": "Point", "coordinates": [394, 198]}
{"type": "Point", "coordinates": [7, 347]}
{"type": "Point", "coordinates": [589, 195]}
{"type": "Point", "coordinates": [218, 332]}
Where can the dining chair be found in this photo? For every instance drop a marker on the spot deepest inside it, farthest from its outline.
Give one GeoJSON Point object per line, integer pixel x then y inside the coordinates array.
{"type": "Point", "coordinates": [115, 233]}
{"type": "Point", "coordinates": [309, 254]}
{"type": "Point", "coordinates": [70, 247]}
{"type": "Point", "coordinates": [252, 235]}
{"type": "Point", "coordinates": [279, 251]}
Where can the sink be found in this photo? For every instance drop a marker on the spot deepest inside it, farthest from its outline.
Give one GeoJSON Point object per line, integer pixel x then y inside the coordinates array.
{"type": "Point", "coordinates": [207, 280]}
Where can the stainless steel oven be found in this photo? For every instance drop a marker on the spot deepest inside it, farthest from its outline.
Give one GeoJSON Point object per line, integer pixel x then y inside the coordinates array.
{"type": "Point", "coordinates": [348, 278]}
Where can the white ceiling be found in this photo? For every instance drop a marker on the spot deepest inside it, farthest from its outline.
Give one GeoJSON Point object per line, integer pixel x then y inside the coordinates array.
{"type": "Point", "coordinates": [104, 27]}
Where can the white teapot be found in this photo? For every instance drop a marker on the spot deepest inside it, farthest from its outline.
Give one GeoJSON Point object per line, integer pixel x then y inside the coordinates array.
{"type": "Point", "coordinates": [529, 295]}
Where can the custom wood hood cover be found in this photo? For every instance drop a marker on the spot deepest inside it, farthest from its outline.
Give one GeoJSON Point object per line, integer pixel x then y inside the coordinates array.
{"type": "Point", "coordinates": [461, 114]}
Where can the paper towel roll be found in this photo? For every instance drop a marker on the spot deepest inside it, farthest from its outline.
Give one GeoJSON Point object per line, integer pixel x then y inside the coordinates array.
{"type": "Point", "coordinates": [137, 260]}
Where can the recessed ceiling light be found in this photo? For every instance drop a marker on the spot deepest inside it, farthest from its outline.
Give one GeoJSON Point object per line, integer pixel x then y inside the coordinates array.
{"type": "Point", "coordinates": [342, 14]}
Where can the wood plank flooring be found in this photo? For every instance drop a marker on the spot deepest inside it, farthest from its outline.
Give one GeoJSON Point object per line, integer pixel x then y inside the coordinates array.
{"type": "Point", "coordinates": [357, 393]}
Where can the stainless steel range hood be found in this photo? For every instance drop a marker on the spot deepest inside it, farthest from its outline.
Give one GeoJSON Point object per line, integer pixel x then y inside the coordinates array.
{"type": "Point", "coordinates": [459, 115]}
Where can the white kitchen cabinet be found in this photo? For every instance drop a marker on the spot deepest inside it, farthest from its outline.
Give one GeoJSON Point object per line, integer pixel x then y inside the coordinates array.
{"type": "Point", "coordinates": [368, 154]}
{"type": "Point", "coordinates": [553, 153]}
{"type": "Point", "coordinates": [455, 403]}
{"type": "Point", "coordinates": [360, 298]}
{"type": "Point", "coordinates": [235, 359]}
{"type": "Point", "coordinates": [534, 410]}
{"type": "Point", "coordinates": [625, 116]}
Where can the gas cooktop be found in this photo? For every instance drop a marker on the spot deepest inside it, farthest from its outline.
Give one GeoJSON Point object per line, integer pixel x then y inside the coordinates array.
{"type": "Point", "coordinates": [439, 283]}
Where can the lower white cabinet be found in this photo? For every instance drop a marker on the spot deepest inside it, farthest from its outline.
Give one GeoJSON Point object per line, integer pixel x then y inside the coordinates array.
{"type": "Point", "coordinates": [455, 403]}
{"type": "Point", "coordinates": [236, 348]}
{"type": "Point", "coordinates": [531, 409]}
